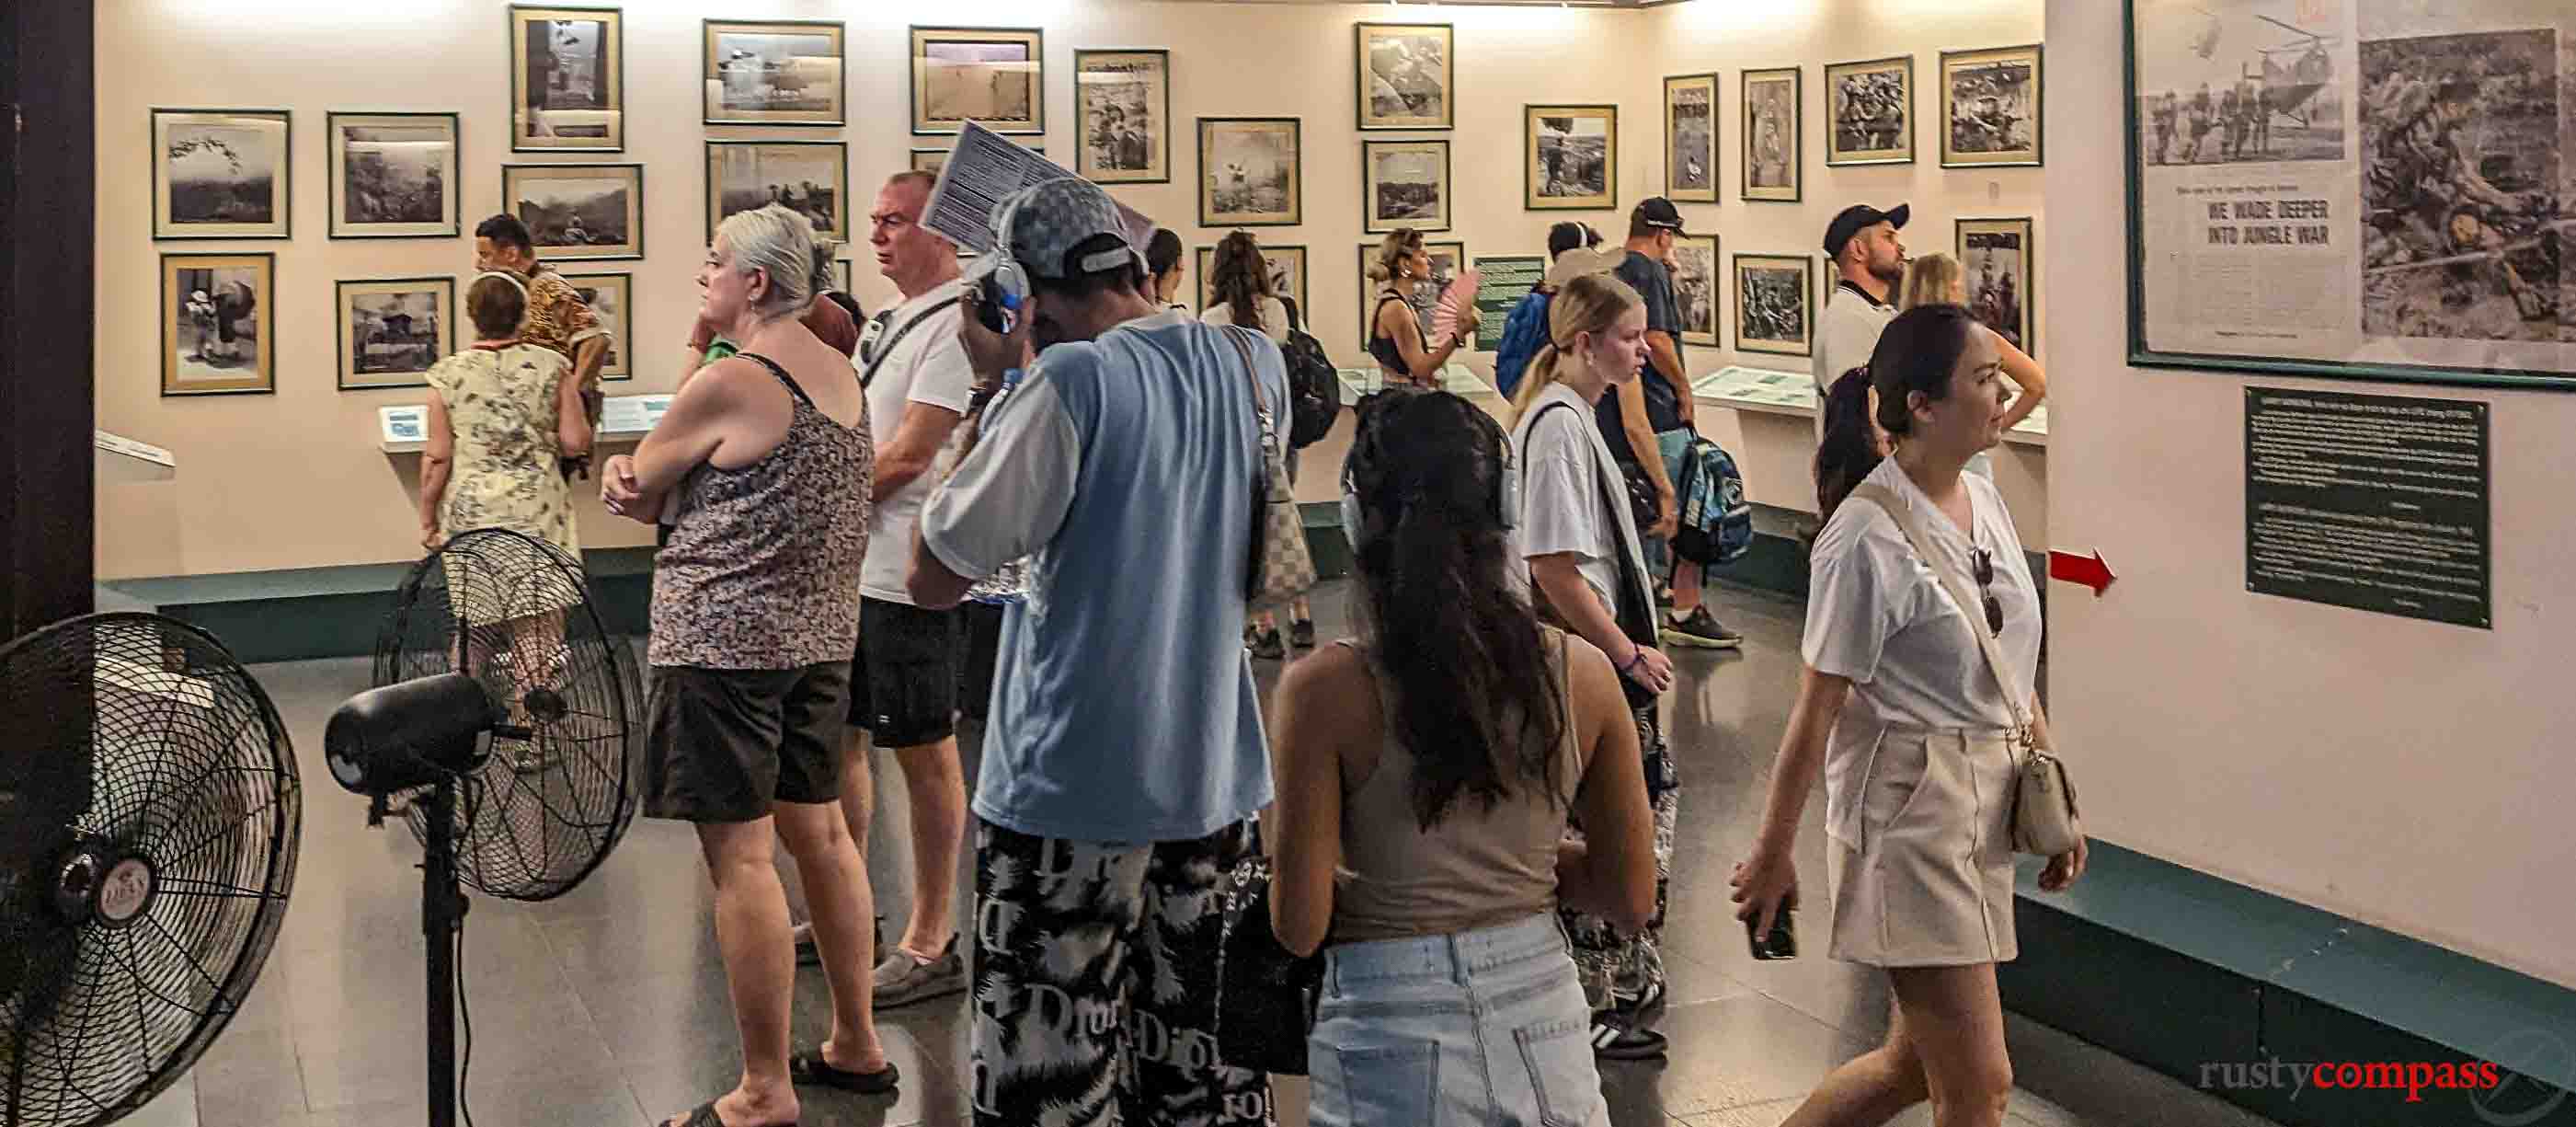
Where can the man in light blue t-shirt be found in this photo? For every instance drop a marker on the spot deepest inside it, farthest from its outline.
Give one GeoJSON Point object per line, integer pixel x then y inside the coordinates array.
{"type": "Point", "coordinates": [1124, 758]}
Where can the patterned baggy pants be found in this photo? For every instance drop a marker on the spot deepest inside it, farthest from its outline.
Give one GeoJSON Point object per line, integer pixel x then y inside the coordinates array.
{"type": "Point", "coordinates": [1617, 970]}
{"type": "Point", "coordinates": [1095, 984]}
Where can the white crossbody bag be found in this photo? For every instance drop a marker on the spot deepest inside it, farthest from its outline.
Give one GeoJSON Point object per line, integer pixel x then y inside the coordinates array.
{"type": "Point", "coordinates": [2044, 819]}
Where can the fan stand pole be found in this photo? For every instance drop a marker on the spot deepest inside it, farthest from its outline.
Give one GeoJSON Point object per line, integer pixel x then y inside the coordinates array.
{"type": "Point", "coordinates": [442, 915]}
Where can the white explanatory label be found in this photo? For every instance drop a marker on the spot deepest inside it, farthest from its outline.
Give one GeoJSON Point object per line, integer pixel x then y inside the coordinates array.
{"type": "Point", "coordinates": [632, 414]}
{"type": "Point", "coordinates": [404, 424]}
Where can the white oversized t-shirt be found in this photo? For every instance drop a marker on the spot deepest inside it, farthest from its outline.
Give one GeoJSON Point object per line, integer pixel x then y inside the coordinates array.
{"type": "Point", "coordinates": [1566, 493]}
{"type": "Point", "coordinates": [927, 366]}
{"type": "Point", "coordinates": [1845, 337]}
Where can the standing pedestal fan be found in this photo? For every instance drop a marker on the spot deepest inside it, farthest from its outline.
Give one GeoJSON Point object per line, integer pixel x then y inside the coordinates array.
{"type": "Point", "coordinates": [149, 821]}
{"type": "Point", "coordinates": [502, 724]}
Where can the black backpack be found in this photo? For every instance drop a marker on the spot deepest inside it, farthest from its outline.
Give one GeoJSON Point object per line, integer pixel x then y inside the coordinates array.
{"type": "Point", "coordinates": [1314, 388]}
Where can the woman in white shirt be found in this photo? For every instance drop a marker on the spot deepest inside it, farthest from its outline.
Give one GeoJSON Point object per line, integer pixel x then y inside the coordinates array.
{"type": "Point", "coordinates": [1239, 293]}
{"type": "Point", "coordinates": [1901, 712]}
{"type": "Point", "coordinates": [1588, 571]}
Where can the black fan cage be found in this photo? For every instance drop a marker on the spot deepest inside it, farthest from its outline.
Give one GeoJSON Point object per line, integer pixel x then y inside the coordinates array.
{"type": "Point", "coordinates": [514, 613]}
{"type": "Point", "coordinates": [149, 820]}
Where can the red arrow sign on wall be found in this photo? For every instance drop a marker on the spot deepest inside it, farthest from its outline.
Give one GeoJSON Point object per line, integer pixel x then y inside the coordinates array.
{"type": "Point", "coordinates": [2087, 571]}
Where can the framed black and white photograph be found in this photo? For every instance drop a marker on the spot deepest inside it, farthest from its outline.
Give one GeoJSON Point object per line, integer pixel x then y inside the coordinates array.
{"type": "Point", "coordinates": [218, 321]}
{"type": "Point", "coordinates": [1405, 185]}
{"type": "Point", "coordinates": [841, 274]}
{"type": "Point", "coordinates": [393, 329]}
{"type": "Point", "coordinates": [1122, 114]}
{"type": "Point", "coordinates": [221, 174]}
{"type": "Point", "coordinates": [775, 72]}
{"type": "Point", "coordinates": [1408, 75]}
{"type": "Point", "coordinates": [1996, 260]}
{"type": "Point", "coordinates": [567, 79]}
{"type": "Point", "coordinates": [2378, 191]}
{"type": "Point", "coordinates": [811, 178]}
{"type": "Point", "coordinates": [1423, 297]}
{"type": "Point", "coordinates": [578, 211]}
{"type": "Point", "coordinates": [393, 176]}
{"type": "Point", "coordinates": [1869, 112]}
{"type": "Point", "coordinates": [1250, 172]}
{"type": "Point", "coordinates": [612, 298]}
{"type": "Point", "coordinates": [1775, 155]}
{"type": "Point", "coordinates": [1690, 138]}
{"type": "Point", "coordinates": [1570, 161]}
{"type": "Point", "coordinates": [1775, 298]}
{"type": "Point", "coordinates": [992, 76]}
{"type": "Point", "coordinates": [1990, 107]}
{"type": "Point", "coordinates": [1287, 267]}
{"type": "Point", "coordinates": [1695, 289]}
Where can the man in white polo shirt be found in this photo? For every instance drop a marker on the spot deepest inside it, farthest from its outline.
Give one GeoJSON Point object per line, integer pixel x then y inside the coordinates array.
{"type": "Point", "coordinates": [1869, 264]}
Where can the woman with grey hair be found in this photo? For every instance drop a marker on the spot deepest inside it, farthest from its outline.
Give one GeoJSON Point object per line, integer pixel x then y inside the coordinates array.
{"type": "Point", "coordinates": [755, 615]}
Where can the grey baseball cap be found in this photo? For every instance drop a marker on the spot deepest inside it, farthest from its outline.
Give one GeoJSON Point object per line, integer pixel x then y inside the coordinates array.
{"type": "Point", "coordinates": [1038, 227]}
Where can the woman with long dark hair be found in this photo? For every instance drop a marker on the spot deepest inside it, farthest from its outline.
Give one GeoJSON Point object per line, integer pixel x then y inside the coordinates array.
{"type": "Point", "coordinates": [1450, 995]}
{"type": "Point", "coordinates": [1240, 290]}
{"type": "Point", "coordinates": [1913, 731]}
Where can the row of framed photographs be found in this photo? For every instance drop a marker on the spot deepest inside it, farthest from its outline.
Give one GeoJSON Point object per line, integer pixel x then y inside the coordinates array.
{"type": "Point", "coordinates": [219, 320]}
{"type": "Point", "coordinates": [1775, 295]}
{"type": "Point", "coordinates": [1990, 117]}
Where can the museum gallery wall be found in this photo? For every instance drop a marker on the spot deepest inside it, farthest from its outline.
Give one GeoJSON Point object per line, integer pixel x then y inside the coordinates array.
{"type": "Point", "coordinates": [630, 130]}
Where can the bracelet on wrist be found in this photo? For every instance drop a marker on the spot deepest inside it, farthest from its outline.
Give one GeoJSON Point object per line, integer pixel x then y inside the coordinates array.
{"type": "Point", "coordinates": [1637, 655]}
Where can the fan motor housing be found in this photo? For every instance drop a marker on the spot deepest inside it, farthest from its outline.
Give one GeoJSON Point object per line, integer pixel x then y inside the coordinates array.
{"type": "Point", "coordinates": [414, 734]}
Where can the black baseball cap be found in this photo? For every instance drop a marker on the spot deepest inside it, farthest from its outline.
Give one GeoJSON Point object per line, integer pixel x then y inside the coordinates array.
{"type": "Point", "coordinates": [1857, 218]}
{"type": "Point", "coordinates": [1656, 211]}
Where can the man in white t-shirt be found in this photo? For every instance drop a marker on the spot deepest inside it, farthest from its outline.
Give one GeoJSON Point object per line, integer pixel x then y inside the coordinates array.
{"type": "Point", "coordinates": [903, 680]}
{"type": "Point", "coordinates": [1869, 263]}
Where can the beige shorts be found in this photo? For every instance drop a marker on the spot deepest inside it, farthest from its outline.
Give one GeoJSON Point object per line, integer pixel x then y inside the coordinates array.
{"type": "Point", "coordinates": [1921, 867]}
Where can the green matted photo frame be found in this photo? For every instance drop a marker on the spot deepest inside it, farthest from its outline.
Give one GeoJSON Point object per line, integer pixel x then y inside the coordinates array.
{"type": "Point", "coordinates": [742, 175]}
{"type": "Point", "coordinates": [1448, 257]}
{"type": "Point", "coordinates": [1288, 260]}
{"type": "Point", "coordinates": [1775, 304]}
{"type": "Point", "coordinates": [383, 342]}
{"type": "Point", "coordinates": [1397, 89]}
{"type": "Point", "coordinates": [383, 206]}
{"type": "Point", "coordinates": [218, 324]}
{"type": "Point", "coordinates": [238, 183]}
{"type": "Point", "coordinates": [2324, 133]}
{"type": "Point", "coordinates": [1999, 268]}
{"type": "Point", "coordinates": [537, 125]}
{"type": "Point", "coordinates": [1251, 171]}
{"type": "Point", "coordinates": [1392, 204]}
{"type": "Point", "coordinates": [2004, 92]}
{"type": "Point", "coordinates": [1771, 144]}
{"type": "Point", "coordinates": [1858, 99]}
{"type": "Point", "coordinates": [1691, 116]}
{"type": "Point", "coordinates": [1144, 78]}
{"type": "Point", "coordinates": [744, 62]}
{"type": "Point", "coordinates": [1011, 108]}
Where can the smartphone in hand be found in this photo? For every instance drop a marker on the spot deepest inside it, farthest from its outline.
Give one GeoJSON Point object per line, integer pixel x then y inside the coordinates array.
{"type": "Point", "coordinates": [1781, 942]}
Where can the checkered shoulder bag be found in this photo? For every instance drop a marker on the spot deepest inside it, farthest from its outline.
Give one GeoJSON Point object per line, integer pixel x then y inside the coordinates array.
{"type": "Point", "coordinates": [1279, 568]}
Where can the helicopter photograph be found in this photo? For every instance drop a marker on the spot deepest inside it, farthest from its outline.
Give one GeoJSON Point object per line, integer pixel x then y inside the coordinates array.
{"type": "Point", "coordinates": [2246, 82]}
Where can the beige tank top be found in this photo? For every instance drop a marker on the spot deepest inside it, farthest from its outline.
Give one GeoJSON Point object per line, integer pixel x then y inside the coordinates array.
{"type": "Point", "coordinates": [1476, 868]}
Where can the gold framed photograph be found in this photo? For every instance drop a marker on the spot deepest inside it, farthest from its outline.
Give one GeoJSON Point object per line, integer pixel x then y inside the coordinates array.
{"type": "Point", "coordinates": [1775, 153]}
{"type": "Point", "coordinates": [1571, 159]}
{"type": "Point", "coordinates": [1869, 112]}
{"type": "Point", "coordinates": [1997, 260]}
{"type": "Point", "coordinates": [393, 176]}
{"type": "Point", "coordinates": [775, 72]}
{"type": "Point", "coordinates": [1249, 172]}
{"type": "Point", "coordinates": [1404, 185]}
{"type": "Point", "coordinates": [1990, 107]}
{"type": "Point", "coordinates": [611, 297]}
{"type": "Point", "coordinates": [1775, 297]}
{"type": "Point", "coordinates": [1407, 75]}
{"type": "Point", "coordinates": [992, 76]}
{"type": "Point", "coordinates": [393, 329]}
{"type": "Point", "coordinates": [1122, 116]}
{"type": "Point", "coordinates": [1287, 266]}
{"type": "Point", "coordinates": [221, 174]}
{"type": "Point", "coordinates": [567, 79]}
{"type": "Point", "coordinates": [1690, 138]}
{"type": "Point", "coordinates": [218, 324]}
{"type": "Point", "coordinates": [1695, 289]}
{"type": "Point", "coordinates": [578, 211]}
{"type": "Point", "coordinates": [811, 178]}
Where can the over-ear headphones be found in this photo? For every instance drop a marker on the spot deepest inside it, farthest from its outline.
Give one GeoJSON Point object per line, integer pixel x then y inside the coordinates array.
{"type": "Point", "coordinates": [1505, 506]}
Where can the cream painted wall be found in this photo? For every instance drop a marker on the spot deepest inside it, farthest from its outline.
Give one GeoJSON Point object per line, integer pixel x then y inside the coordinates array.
{"type": "Point", "coordinates": [2410, 775]}
{"type": "Point", "coordinates": [296, 479]}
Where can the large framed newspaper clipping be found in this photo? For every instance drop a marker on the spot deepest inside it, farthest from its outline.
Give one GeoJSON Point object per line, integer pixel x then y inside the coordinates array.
{"type": "Point", "coordinates": [2379, 189]}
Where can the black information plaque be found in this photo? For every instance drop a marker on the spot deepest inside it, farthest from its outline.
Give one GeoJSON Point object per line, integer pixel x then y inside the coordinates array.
{"type": "Point", "coordinates": [2374, 502]}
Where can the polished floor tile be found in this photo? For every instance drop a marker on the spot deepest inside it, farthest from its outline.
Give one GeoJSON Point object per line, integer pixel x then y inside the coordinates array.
{"type": "Point", "coordinates": [607, 1005]}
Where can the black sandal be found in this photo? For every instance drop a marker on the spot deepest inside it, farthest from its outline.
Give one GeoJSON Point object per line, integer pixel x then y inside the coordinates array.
{"type": "Point", "coordinates": [809, 1067]}
{"type": "Point", "coordinates": [704, 1115]}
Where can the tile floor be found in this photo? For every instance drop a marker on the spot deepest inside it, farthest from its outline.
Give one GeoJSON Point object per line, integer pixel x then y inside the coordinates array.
{"type": "Point", "coordinates": [607, 1006]}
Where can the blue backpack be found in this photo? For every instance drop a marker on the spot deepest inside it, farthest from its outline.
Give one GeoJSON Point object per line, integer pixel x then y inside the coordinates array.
{"type": "Point", "coordinates": [1523, 335]}
{"type": "Point", "coordinates": [1716, 521]}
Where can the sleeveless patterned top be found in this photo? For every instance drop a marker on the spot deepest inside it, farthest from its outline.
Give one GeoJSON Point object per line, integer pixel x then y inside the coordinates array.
{"type": "Point", "coordinates": [762, 570]}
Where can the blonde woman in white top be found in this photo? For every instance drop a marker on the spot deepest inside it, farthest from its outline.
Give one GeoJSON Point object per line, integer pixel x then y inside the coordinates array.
{"type": "Point", "coordinates": [1239, 291]}
{"type": "Point", "coordinates": [1902, 715]}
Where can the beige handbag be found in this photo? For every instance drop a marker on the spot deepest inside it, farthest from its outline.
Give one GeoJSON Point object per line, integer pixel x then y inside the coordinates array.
{"type": "Point", "coordinates": [2044, 818]}
{"type": "Point", "coordinates": [1282, 568]}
